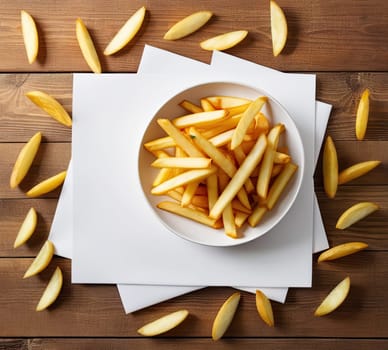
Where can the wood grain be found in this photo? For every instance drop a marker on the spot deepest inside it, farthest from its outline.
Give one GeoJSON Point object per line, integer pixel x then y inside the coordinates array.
{"type": "Point", "coordinates": [362, 315]}
{"type": "Point", "coordinates": [323, 35]}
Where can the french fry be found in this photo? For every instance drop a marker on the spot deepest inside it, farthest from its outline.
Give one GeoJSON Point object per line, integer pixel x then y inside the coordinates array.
{"type": "Point", "coordinates": [330, 168]}
{"type": "Point", "coordinates": [356, 170]}
{"type": "Point", "coordinates": [189, 193]}
{"type": "Point", "coordinates": [190, 106]}
{"type": "Point", "coordinates": [227, 214]}
{"type": "Point", "coordinates": [274, 135]}
{"type": "Point", "coordinates": [225, 102]}
{"type": "Point", "coordinates": [183, 179]}
{"type": "Point", "coordinates": [200, 119]}
{"type": "Point", "coordinates": [265, 172]}
{"type": "Point", "coordinates": [342, 250]}
{"type": "Point", "coordinates": [276, 170]}
{"type": "Point", "coordinates": [222, 139]}
{"type": "Point", "coordinates": [207, 106]}
{"type": "Point", "coordinates": [239, 178]}
{"type": "Point", "coordinates": [281, 158]}
{"type": "Point", "coordinates": [189, 213]}
{"type": "Point", "coordinates": [236, 110]}
{"type": "Point", "coordinates": [246, 119]}
{"type": "Point", "coordinates": [362, 115]}
{"type": "Point", "coordinates": [182, 162]}
{"type": "Point", "coordinates": [226, 125]}
{"type": "Point", "coordinates": [224, 41]}
{"type": "Point", "coordinates": [164, 174]}
{"type": "Point", "coordinates": [280, 184]}
{"type": "Point", "coordinates": [256, 215]}
{"type": "Point", "coordinates": [212, 189]}
{"type": "Point", "coordinates": [240, 218]}
{"type": "Point", "coordinates": [262, 124]}
{"type": "Point", "coordinates": [160, 143]}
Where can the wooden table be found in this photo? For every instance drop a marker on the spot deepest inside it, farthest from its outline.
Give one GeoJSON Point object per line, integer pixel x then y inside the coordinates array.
{"type": "Point", "coordinates": [345, 43]}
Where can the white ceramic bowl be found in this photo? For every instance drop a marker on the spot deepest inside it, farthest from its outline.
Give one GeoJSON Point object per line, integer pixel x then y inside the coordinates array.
{"type": "Point", "coordinates": [199, 233]}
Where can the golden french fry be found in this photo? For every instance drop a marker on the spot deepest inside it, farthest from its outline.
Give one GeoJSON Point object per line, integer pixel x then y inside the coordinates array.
{"type": "Point", "coordinates": [165, 173]}
{"type": "Point", "coordinates": [334, 299]}
{"type": "Point", "coordinates": [181, 140]}
{"type": "Point", "coordinates": [183, 179]}
{"type": "Point", "coordinates": [227, 102]}
{"type": "Point", "coordinates": [212, 189]}
{"type": "Point", "coordinates": [52, 290]}
{"type": "Point", "coordinates": [126, 33]}
{"type": "Point", "coordinates": [362, 115]}
{"type": "Point", "coordinates": [224, 41]}
{"type": "Point", "coordinates": [50, 105]}
{"type": "Point", "coordinates": [42, 260]}
{"type": "Point", "coordinates": [27, 228]}
{"type": "Point", "coordinates": [276, 170]}
{"type": "Point", "coordinates": [262, 124]}
{"type": "Point", "coordinates": [330, 168]}
{"type": "Point", "coordinates": [240, 177]}
{"type": "Point", "coordinates": [182, 162]}
{"type": "Point", "coordinates": [280, 184]}
{"type": "Point", "coordinates": [222, 139]}
{"type": "Point", "coordinates": [240, 157]}
{"type": "Point", "coordinates": [24, 160]}
{"type": "Point", "coordinates": [87, 47]}
{"type": "Point", "coordinates": [342, 250]}
{"type": "Point", "coordinates": [225, 316]}
{"type": "Point", "coordinates": [279, 29]}
{"type": "Point", "coordinates": [356, 171]}
{"type": "Point", "coordinates": [30, 36]}
{"type": "Point", "coordinates": [236, 110]}
{"type": "Point", "coordinates": [163, 324]}
{"type": "Point", "coordinates": [274, 135]}
{"type": "Point", "coordinates": [256, 215]}
{"type": "Point", "coordinates": [189, 193]}
{"type": "Point", "coordinates": [207, 106]}
{"type": "Point", "coordinates": [188, 25]}
{"type": "Point", "coordinates": [228, 221]}
{"type": "Point", "coordinates": [265, 172]}
{"type": "Point", "coordinates": [246, 120]}
{"type": "Point", "coordinates": [226, 125]}
{"type": "Point", "coordinates": [200, 119]}
{"type": "Point", "coordinates": [188, 213]}
{"type": "Point", "coordinates": [160, 143]}
{"type": "Point", "coordinates": [281, 158]}
{"type": "Point", "coordinates": [355, 213]}
{"type": "Point", "coordinates": [190, 106]}
{"type": "Point", "coordinates": [264, 308]}
{"type": "Point", "coordinates": [47, 185]}
{"type": "Point", "coordinates": [240, 218]}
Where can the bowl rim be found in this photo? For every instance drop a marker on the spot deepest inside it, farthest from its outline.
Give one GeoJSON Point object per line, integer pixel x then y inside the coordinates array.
{"type": "Point", "coordinates": [301, 167]}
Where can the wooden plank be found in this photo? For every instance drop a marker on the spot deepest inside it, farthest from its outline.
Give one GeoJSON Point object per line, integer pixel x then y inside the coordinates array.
{"type": "Point", "coordinates": [50, 160]}
{"type": "Point", "coordinates": [162, 343]}
{"type": "Point", "coordinates": [95, 310]}
{"type": "Point", "coordinates": [322, 35]}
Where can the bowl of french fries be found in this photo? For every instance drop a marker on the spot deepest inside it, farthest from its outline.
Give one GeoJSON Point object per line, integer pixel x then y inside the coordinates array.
{"type": "Point", "coordinates": [221, 163]}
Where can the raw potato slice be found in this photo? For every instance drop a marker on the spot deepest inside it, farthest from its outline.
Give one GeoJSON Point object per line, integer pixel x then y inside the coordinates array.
{"type": "Point", "coordinates": [279, 28]}
{"type": "Point", "coordinates": [225, 316]}
{"type": "Point", "coordinates": [87, 47]}
{"type": "Point", "coordinates": [163, 324]}
{"type": "Point", "coordinates": [52, 290]}
{"type": "Point", "coordinates": [188, 25]}
{"type": "Point", "coordinates": [50, 105]}
{"type": "Point", "coordinates": [330, 168]}
{"type": "Point", "coordinates": [30, 36]}
{"type": "Point", "coordinates": [24, 160]}
{"type": "Point", "coordinates": [342, 250]}
{"type": "Point", "coordinates": [362, 115]}
{"type": "Point", "coordinates": [355, 213]}
{"type": "Point", "coordinates": [224, 41]}
{"type": "Point", "coordinates": [335, 298]}
{"type": "Point", "coordinates": [42, 260]}
{"type": "Point", "coordinates": [126, 32]}
{"type": "Point", "coordinates": [47, 185]}
{"type": "Point", "coordinates": [264, 308]}
{"type": "Point", "coordinates": [27, 228]}
{"type": "Point", "coordinates": [356, 171]}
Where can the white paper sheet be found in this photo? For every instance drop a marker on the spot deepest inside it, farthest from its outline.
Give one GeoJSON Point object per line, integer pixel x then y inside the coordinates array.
{"type": "Point", "coordinates": [152, 257]}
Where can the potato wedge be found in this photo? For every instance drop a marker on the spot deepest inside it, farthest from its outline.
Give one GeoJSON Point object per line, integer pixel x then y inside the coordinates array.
{"type": "Point", "coordinates": [334, 299]}
{"type": "Point", "coordinates": [188, 25]}
{"type": "Point", "coordinates": [126, 33]}
{"type": "Point", "coordinates": [189, 213]}
{"type": "Point", "coordinates": [356, 170]}
{"type": "Point", "coordinates": [50, 105]}
{"type": "Point", "coordinates": [342, 250]}
{"type": "Point", "coordinates": [246, 120]}
{"type": "Point", "coordinates": [225, 316]}
{"type": "Point", "coordinates": [30, 36]}
{"type": "Point", "coordinates": [163, 324]}
{"type": "Point", "coordinates": [47, 185]}
{"type": "Point", "coordinates": [355, 213]}
{"type": "Point", "coordinates": [279, 28]}
{"type": "Point", "coordinates": [24, 160]}
{"type": "Point", "coordinates": [52, 290]}
{"type": "Point", "coordinates": [224, 41]}
{"type": "Point", "coordinates": [42, 260]}
{"type": "Point", "coordinates": [240, 177]}
{"type": "Point", "coordinates": [201, 119]}
{"type": "Point", "coordinates": [182, 162]}
{"type": "Point", "coordinates": [264, 308]}
{"type": "Point", "coordinates": [362, 115]}
{"type": "Point", "coordinates": [330, 168]}
{"type": "Point", "coordinates": [27, 228]}
{"type": "Point", "coordinates": [86, 45]}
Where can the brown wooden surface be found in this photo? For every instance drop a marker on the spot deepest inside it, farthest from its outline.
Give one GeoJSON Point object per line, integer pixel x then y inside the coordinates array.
{"type": "Point", "coordinates": [344, 43]}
